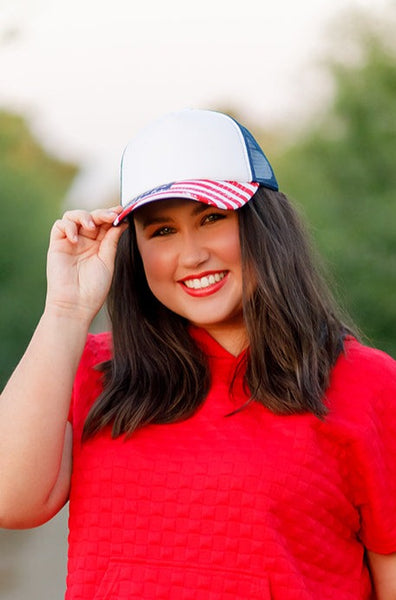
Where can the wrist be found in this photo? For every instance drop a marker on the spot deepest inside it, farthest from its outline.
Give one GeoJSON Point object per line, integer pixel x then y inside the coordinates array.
{"type": "Point", "coordinates": [64, 312]}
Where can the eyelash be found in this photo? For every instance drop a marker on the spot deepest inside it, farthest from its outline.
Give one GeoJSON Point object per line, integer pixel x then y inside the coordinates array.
{"type": "Point", "coordinates": [217, 217]}
{"type": "Point", "coordinates": [167, 230]}
{"type": "Point", "coordinates": [162, 231]}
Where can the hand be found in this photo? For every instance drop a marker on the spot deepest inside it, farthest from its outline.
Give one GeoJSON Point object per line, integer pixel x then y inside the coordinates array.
{"type": "Point", "coordinates": [81, 261]}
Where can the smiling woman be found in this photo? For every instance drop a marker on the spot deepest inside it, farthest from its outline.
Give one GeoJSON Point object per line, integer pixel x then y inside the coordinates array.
{"type": "Point", "coordinates": [230, 438]}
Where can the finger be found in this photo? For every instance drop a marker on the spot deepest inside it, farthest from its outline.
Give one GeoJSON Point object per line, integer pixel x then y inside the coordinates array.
{"type": "Point", "coordinates": [103, 220]}
{"type": "Point", "coordinates": [81, 217]}
{"type": "Point", "coordinates": [69, 225]}
{"type": "Point", "coordinates": [78, 222]}
{"type": "Point", "coordinates": [118, 208]}
{"type": "Point", "coordinates": [89, 224]}
{"type": "Point", "coordinates": [104, 215]}
{"type": "Point", "coordinates": [62, 229]}
{"type": "Point", "coordinates": [109, 244]}
{"type": "Point", "coordinates": [73, 229]}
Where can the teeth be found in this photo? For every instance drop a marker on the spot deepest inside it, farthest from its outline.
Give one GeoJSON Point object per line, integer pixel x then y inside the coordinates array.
{"type": "Point", "coordinates": [204, 282]}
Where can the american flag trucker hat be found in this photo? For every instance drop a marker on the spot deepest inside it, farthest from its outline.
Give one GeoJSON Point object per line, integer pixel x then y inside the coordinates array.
{"type": "Point", "coordinates": [194, 154]}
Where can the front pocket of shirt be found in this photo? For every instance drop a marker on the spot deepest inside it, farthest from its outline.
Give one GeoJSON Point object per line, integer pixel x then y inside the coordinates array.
{"type": "Point", "coordinates": [172, 581]}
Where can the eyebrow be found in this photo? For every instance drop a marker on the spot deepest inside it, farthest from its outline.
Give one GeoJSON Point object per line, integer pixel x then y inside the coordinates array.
{"type": "Point", "coordinates": [158, 219]}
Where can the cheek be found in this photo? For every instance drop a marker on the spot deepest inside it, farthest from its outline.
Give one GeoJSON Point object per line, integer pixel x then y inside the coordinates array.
{"type": "Point", "coordinates": [157, 266]}
{"type": "Point", "coordinates": [235, 251]}
{"type": "Point", "coordinates": [230, 248]}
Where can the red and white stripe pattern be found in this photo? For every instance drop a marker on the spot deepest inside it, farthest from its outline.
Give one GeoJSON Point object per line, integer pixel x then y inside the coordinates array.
{"type": "Point", "coordinates": [227, 195]}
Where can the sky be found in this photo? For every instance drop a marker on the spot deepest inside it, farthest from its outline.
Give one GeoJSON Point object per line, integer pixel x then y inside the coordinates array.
{"type": "Point", "coordinates": [88, 74]}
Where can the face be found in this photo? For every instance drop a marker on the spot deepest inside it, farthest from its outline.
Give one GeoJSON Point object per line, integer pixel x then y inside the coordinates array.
{"type": "Point", "coordinates": [192, 260]}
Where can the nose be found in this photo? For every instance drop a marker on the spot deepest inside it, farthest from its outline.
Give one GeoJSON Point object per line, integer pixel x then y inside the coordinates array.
{"type": "Point", "coordinates": [193, 252]}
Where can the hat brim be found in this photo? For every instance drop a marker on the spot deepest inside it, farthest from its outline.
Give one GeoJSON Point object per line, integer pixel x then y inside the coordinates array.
{"type": "Point", "coordinates": [226, 195]}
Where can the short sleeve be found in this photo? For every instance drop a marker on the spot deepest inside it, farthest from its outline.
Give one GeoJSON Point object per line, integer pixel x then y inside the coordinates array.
{"type": "Point", "coordinates": [374, 455]}
{"type": "Point", "coordinates": [88, 381]}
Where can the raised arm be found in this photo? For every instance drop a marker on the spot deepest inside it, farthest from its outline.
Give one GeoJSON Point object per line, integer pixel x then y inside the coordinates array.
{"type": "Point", "coordinates": [35, 437]}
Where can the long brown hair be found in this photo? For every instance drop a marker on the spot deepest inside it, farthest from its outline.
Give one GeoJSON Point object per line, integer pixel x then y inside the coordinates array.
{"type": "Point", "coordinates": [159, 375]}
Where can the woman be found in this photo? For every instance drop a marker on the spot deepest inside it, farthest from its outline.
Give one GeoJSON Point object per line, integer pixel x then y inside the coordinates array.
{"type": "Point", "coordinates": [230, 438]}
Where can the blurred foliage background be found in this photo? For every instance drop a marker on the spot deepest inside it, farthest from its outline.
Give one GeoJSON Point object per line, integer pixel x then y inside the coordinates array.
{"type": "Point", "coordinates": [340, 169]}
{"type": "Point", "coordinates": [32, 187]}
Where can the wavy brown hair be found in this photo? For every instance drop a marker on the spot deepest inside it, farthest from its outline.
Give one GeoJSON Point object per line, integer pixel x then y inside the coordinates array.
{"type": "Point", "coordinates": [159, 375]}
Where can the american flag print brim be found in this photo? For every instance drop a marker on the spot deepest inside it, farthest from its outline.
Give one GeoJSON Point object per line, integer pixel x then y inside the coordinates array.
{"type": "Point", "coordinates": [226, 195]}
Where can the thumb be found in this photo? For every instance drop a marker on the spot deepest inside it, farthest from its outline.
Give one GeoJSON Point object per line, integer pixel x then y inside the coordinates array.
{"type": "Point", "coordinates": [108, 246]}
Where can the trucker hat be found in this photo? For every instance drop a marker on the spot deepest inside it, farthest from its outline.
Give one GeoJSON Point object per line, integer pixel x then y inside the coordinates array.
{"type": "Point", "coordinates": [195, 154]}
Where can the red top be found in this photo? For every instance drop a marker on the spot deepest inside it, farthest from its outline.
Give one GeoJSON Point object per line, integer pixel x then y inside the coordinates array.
{"type": "Point", "coordinates": [253, 506]}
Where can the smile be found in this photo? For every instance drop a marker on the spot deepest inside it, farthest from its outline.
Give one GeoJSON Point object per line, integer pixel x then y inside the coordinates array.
{"type": "Point", "coordinates": [204, 282]}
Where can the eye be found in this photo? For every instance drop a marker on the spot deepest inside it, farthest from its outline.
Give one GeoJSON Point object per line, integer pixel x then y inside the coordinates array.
{"type": "Point", "coordinates": [162, 231]}
{"type": "Point", "coordinates": [213, 217]}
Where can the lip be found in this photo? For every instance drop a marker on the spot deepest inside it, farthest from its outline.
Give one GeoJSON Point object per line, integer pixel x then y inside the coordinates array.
{"type": "Point", "coordinates": [207, 291]}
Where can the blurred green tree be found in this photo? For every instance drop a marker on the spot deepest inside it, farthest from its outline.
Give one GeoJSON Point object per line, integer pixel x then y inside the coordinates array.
{"type": "Point", "coordinates": [342, 170]}
{"type": "Point", "coordinates": [32, 187]}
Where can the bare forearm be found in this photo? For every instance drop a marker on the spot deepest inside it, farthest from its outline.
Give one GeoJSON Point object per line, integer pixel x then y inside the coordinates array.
{"type": "Point", "coordinates": [35, 439]}
{"type": "Point", "coordinates": [33, 412]}
{"type": "Point", "coordinates": [383, 571]}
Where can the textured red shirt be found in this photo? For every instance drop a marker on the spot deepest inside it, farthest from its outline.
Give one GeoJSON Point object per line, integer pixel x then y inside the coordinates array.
{"type": "Point", "coordinates": [252, 506]}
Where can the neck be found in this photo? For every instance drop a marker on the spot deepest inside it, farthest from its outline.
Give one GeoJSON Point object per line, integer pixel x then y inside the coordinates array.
{"type": "Point", "coordinates": [233, 339]}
